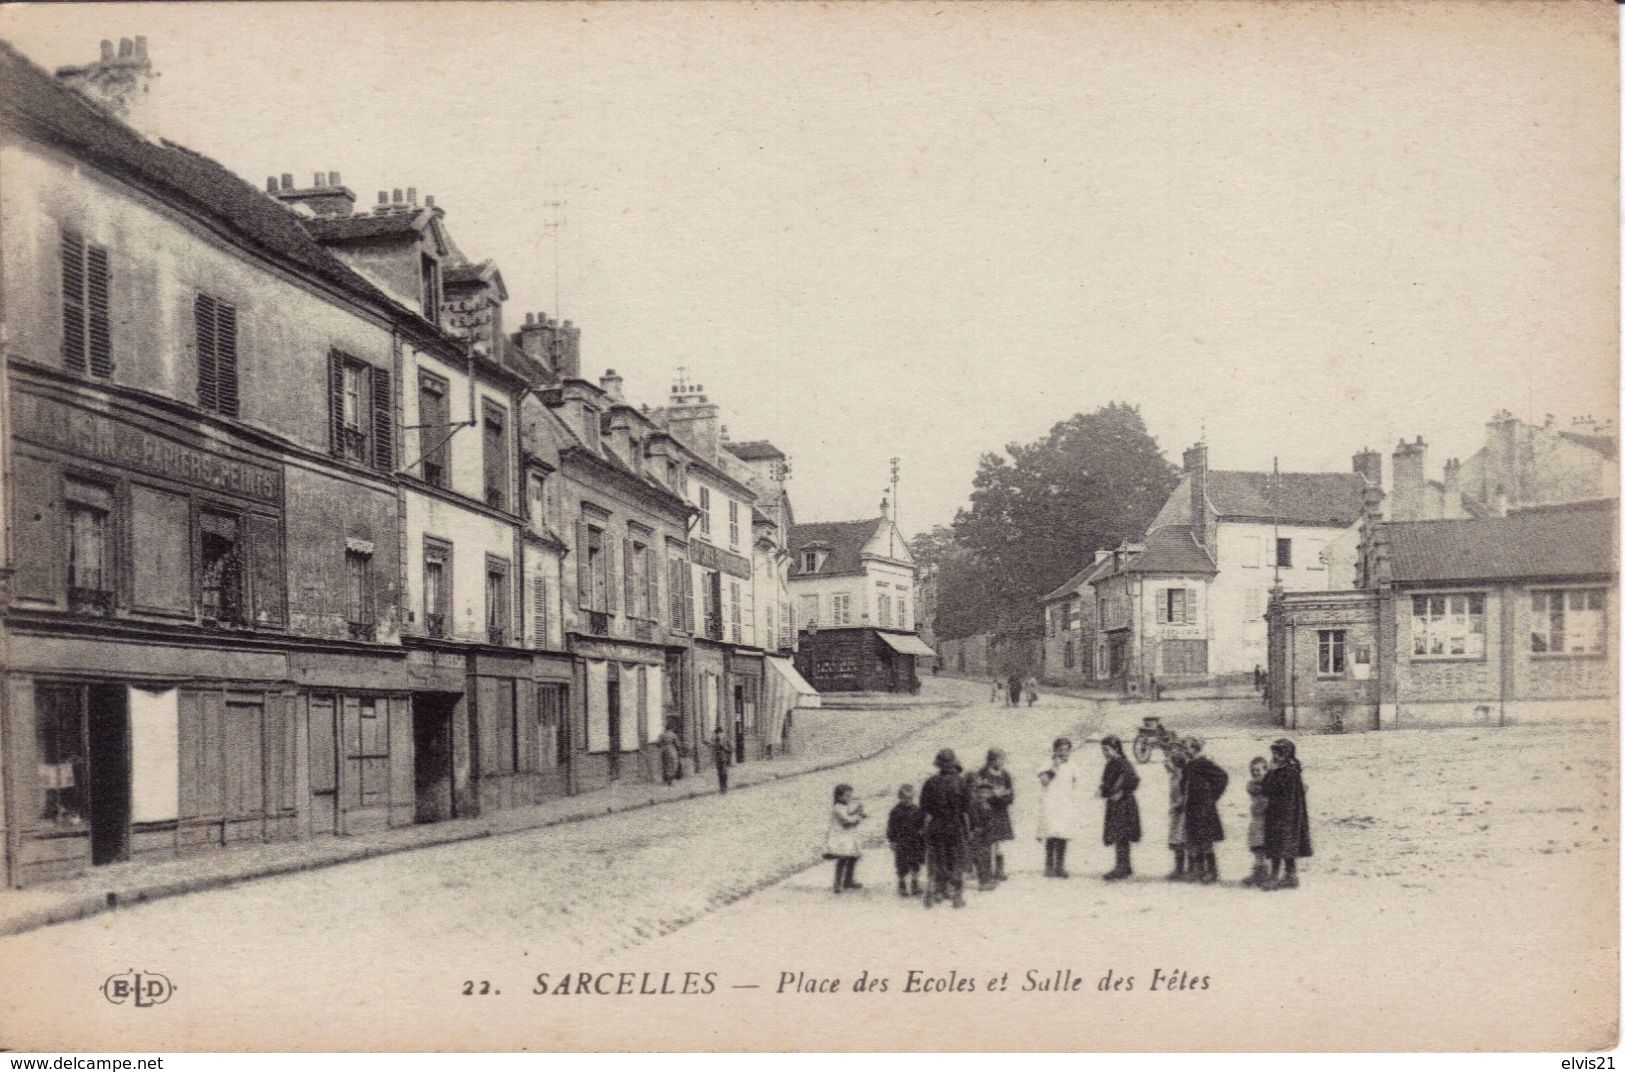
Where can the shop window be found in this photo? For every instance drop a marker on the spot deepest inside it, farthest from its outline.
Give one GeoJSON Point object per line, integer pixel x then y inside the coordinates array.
{"type": "Point", "coordinates": [216, 355]}
{"type": "Point", "coordinates": [495, 438]}
{"type": "Point", "coordinates": [220, 566]}
{"type": "Point", "coordinates": [361, 420]}
{"type": "Point", "coordinates": [497, 612]}
{"type": "Point", "coordinates": [551, 712]}
{"type": "Point", "coordinates": [1333, 652]}
{"type": "Point", "coordinates": [1448, 626]}
{"type": "Point", "coordinates": [434, 430]}
{"type": "Point", "coordinates": [1569, 621]}
{"type": "Point", "coordinates": [436, 587]}
{"type": "Point", "coordinates": [87, 336]}
{"type": "Point", "coordinates": [59, 736]}
{"type": "Point", "coordinates": [359, 591]}
{"type": "Point", "coordinates": [89, 509]}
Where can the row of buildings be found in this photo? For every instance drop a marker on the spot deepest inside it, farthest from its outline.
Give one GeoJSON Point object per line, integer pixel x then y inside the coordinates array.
{"type": "Point", "coordinates": [1364, 603]}
{"type": "Point", "coordinates": [302, 538]}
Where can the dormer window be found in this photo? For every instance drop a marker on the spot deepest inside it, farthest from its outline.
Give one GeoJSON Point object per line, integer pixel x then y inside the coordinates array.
{"type": "Point", "coordinates": [810, 561]}
{"type": "Point", "coordinates": [590, 428]}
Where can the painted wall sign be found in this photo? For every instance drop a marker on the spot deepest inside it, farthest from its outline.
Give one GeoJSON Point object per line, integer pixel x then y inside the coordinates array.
{"type": "Point", "coordinates": [98, 437]}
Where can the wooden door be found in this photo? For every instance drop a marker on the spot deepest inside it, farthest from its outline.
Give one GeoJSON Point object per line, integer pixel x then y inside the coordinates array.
{"type": "Point", "coordinates": [324, 766]}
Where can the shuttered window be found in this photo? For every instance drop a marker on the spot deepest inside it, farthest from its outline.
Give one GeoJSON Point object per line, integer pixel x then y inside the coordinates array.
{"type": "Point", "coordinates": [87, 333]}
{"type": "Point", "coordinates": [496, 455]}
{"type": "Point", "coordinates": [216, 355]}
{"type": "Point", "coordinates": [360, 412]}
{"type": "Point", "coordinates": [538, 610]}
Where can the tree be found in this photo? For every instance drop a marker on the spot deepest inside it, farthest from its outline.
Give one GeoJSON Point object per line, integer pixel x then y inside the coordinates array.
{"type": "Point", "coordinates": [1040, 510]}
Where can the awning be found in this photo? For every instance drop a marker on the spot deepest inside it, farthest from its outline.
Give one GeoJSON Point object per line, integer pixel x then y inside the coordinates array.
{"type": "Point", "coordinates": [907, 644]}
{"type": "Point", "coordinates": [806, 695]}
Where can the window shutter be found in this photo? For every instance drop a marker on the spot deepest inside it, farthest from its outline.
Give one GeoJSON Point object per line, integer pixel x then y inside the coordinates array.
{"type": "Point", "coordinates": [610, 597]}
{"type": "Point", "coordinates": [73, 301]}
{"type": "Point", "coordinates": [1190, 606]}
{"type": "Point", "coordinates": [383, 421]}
{"type": "Point", "coordinates": [207, 391]}
{"type": "Point", "coordinates": [688, 596]}
{"type": "Point", "coordinates": [335, 402]}
{"type": "Point", "coordinates": [1162, 607]}
{"type": "Point", "coordinates": [653, 571]}
{"type": "Point", "coordinates": [225, 356]}
{"type": "Point", "coordinates": [267, 570]}
{"type": "Point", "coordinates": [629, 578]}
{"type": "Point", "coordinates": [101, 333]}
{"type": "Point", "coordinates": [583, 569]}
{"type": "Point", "coordinates": [538, 596]}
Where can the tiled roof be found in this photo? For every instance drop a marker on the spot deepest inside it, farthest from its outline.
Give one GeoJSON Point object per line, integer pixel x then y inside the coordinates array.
{"type": "Point", "coordinates": [347, 228]}
{"type": "Point", "coordinates": [1328, 499]}
{"type": "Point", "coordinates": [843, 540]}
{"type": "Point", "coordinates": [753, 450]}
{"type": "Point", "coordinates": [1079, 579]}
{"type": "Point", "coordinates": [32, 96]}
{"type": "Point", "coordinates": [1572, 542]}
{"type": "Point", "coordinates": [1167, 550]}
{"type": "Point", "coordinates": [1606, 445]}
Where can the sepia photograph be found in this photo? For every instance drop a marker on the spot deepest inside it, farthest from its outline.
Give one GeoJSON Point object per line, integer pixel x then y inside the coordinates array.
{"type": "Point", "coordinates": [779, 527]}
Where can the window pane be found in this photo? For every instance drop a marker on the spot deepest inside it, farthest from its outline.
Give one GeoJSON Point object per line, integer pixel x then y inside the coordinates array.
{"type": "Point", "coordinates": [60, 742]}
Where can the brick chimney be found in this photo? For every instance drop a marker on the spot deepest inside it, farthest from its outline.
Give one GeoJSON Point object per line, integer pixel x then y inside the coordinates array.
{"type": "Point", "coordinates": [119, 83]}
{"type": "Point", "coordinates": [1409, 476]}
{"type": "Point", "coordinates": [569, 349]}
{"type": "Point", "coordinates": [1452, 491]}
{"type": "Point", "coordinates": [692, 419]}
{"type": "Point", "coordinates": [325, 196]}
{"type": "Point", "coordinates": [1196, 470]}
{"type": "Point", "coordinates": [1502, 473]}
{"type": "Point", "coordinates": [612, 385]}
{"type": "Point", "coordinates": [538, 339]}
{"type": "Point", "coordinates": [1368, 463]}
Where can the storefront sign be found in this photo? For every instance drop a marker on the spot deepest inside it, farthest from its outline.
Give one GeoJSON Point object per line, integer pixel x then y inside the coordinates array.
{"type": "Point", "coordinates": [97, 437]}
{"type": "Point", "coordinates": [715, 558]}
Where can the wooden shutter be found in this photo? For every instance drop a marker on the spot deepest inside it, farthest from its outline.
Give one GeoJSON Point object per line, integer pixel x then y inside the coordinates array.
{"type": "Point", "coordinates": [652, 566]}
{"type": "Point", "coordinates": [98, 279]}
{"type": "Point", "coordinates": [335, 402]}
{"type": "Point", "coordinates": [267, 576]}
{"type": "Point", "coordinates": [73, 301]}
{"type": "Point", "coordinates": [688, 596]}
{"type": "Point", "coordinates": [610, 598]}
{"type": "Point", "coordinates": [225, 356]}
{"type": "Point", "coordinates": [538, 610]}
{"type": "Point", "coordinates": [1190, 606]}
{"type": "Point", "coordinates": [383, 422]}
{"type": "Point", "coordinates": [583, 569]}
{"type": "Point", "coordinates": [629, 578]}
{"type": "Point", "coordinates": [208, 392]}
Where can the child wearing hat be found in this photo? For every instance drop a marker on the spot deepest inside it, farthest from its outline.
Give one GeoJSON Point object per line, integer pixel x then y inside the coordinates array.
{"type": "Point", "coordinates": [945, 802]}
{"type": "Point", "coordinates": [907, 842]}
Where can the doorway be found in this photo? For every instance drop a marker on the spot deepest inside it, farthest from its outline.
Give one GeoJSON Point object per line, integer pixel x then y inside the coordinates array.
{"type": "Point", "coordinates": [431, 755]}
{"type": "Point", "coordinates": [614, 725]}
{"type": "Point", "coordinates": [109, 762]}
{"type": "Point", "coordinates": [739, 722]}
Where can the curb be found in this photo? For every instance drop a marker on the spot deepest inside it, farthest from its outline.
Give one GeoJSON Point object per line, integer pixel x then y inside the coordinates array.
{"type": "Point", "coordinates": [88, 905]}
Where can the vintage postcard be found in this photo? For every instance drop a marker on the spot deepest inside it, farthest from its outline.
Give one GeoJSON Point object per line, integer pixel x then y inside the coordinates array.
{"type": "Point", "coordinates": [788, 527]}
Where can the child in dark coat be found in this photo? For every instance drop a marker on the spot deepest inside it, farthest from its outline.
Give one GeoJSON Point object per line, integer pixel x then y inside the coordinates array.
{"type": "Point", "coordinates": [1117, 785]}
{"type": "Point", "coordinates": [983, 830]}
{"type": "Point", "coordinates": [907, 842]}
{"type": "Point", "coordinates": [1004, 794]}
{"type": "Point", "coordinates": [1204, 784]}
{"type": "Point", "coordinates": [1286, 817]}
{"type": "Point", "coordinates": [945, 802]}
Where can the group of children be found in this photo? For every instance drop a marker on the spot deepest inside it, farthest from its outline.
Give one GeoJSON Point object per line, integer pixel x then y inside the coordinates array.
{"type": "Point", "coordinates": [962, 820]}
{"type": "Point", "coordinates": [1278, 816]}
{"type": "Point", "coordinates": [959, 825]}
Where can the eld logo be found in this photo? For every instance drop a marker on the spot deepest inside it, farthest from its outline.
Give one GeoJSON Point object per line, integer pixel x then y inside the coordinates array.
{"type": "Point", "coordinates": [142, 988]}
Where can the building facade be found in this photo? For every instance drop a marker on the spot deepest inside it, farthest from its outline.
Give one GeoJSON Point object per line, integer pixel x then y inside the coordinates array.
{"type": "Point", "coordinates": [1072, 629]}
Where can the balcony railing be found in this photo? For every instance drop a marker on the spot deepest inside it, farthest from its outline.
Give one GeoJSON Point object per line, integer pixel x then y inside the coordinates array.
{"type": "Point", "coordinates": [643, 630]}
{"type": "Point", "coordinates": [598, 622]}
{"type": "Point", "coordinates": [352, 444]}
{"type": "Point", "coordinates": [435, 624]}
{"type": "Point", "coordinates": [363, 631]}
{"type": "Point", "coordinates": [90, 601]}
{"type": "Point", "coordinates": [496, 634]}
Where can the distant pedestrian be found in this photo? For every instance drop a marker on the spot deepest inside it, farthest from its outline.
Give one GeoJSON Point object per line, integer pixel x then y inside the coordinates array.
{"type": "Point", "coordinates": [1060, 806]}
{"type": "Point", "coordinates": [1204, 784]}
{"type": "Point", "coordinates": [722, 753]}
{"type": "Point", "coordinates": [1003, 795]}
{"type": "Point", "coordinates": [1117, 785]}
{"type": "Point", "coordinates": [841, 842]}
{"type": "Point", "coordinates": [1259, 804]}
{"type": "Point", "coordinates": [1029, 690]}
{"type": "Point", "coordinates": [1173, 761]}
{"type": "Point", "coordinates": [671, 754]}
{"type": "Point", "coordinates": [907, 841]}
{"type": "Point", "coordinates": [1286, 818]}
{"type": "Point", "coordinates": [998, 691]}
{"type": "Point", "coordinates": [946, 803]}
{"type": "Point", "coordinates": [1013, 685]}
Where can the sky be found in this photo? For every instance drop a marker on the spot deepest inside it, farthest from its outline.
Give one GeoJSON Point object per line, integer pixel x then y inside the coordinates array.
{"type": "Point", "coordinates": [923, 232]}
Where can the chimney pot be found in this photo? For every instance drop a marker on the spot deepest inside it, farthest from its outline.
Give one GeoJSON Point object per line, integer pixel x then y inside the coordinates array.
{"type": "Point", "coordinates": [333, 178]}
{"type": "Point", "coordinates": [428, 200]}
{"type": "Point", "coordinates": [383, 197]}
{"type": "Point", "coordinates": [140, 48]}
{"type": "Point", "coordinates": [126, 48]}
{"type": "Point", "coordinates": [107, 50]}
{"type": "Point", "coordinates": [396, 195]}
{"type": "Point", "coordinates": [287, 181]}
{"type": "Point", "coordinates": [270, 184]}
{"type": "Point", "coordinates": [321, 180]}
{"type": "Point", "coordinates": [530, 318]}
{"type": "Point", "coordinates": [412, 194]}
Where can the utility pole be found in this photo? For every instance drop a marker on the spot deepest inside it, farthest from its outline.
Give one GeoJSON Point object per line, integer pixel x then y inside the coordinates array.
{"type": "Point", "coordinates": [892, 540]}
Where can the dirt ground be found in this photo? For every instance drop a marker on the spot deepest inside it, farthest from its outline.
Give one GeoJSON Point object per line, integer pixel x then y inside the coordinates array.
{"type": "Point", "coordinates": [1463, 895]}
